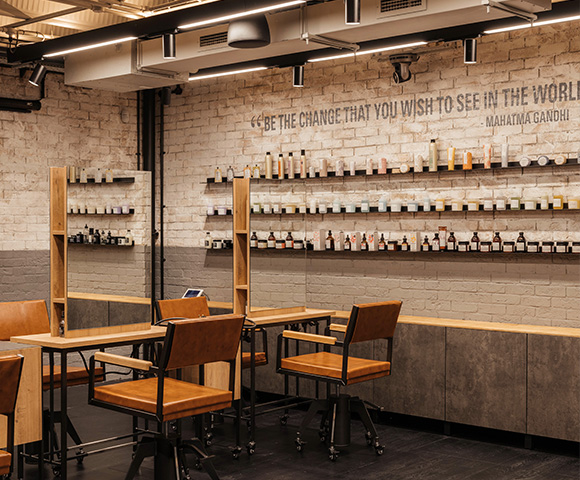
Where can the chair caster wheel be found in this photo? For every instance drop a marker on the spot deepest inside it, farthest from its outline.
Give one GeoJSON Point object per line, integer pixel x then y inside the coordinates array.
{"type": "Point", "coordinates": [236, 452]}
{"type": "Point", "coordinates": [198, 465]}
{"type": "Point", "coordinates": [251, 447]}
{"type": "Point", "coordinates": [284, 420]}
{"type": "Point", "coordinates": [379, 449]}
{"type": "Point", "coordinates": [299, 444]}
{"type": "Point", "coordinates": [81, 454]}
{"type": "Point", "coordinates": [332, 454]}
{"type": "Point", "coordinates": [369, 438]}
{"type": "Point", "coordinates": [207, 439]}
{"type": "Point", "coordinates": [56, 470]}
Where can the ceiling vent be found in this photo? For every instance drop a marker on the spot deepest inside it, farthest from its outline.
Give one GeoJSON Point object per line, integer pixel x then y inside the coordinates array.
{"type": "Point", "coordinates": [398, 7]}
{"type": "Point", "coordinates": [220, 38]}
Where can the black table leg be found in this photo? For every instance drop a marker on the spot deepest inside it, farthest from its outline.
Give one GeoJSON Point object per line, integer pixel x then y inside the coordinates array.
{"type": "Point", "coordinates": [63, 416]}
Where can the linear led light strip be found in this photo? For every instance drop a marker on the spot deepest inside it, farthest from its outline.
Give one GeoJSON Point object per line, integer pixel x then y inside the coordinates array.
{"type": "Point", "coordinates": [529, 25]}
{"type": "Point", "coordinates": [223, 74]}
{"type": "Point", "coordinates": [233, 16]}
{"type": "Point", "coordinates": [366, 52]}
{"type": "Point", "coordinates": [88, 47]}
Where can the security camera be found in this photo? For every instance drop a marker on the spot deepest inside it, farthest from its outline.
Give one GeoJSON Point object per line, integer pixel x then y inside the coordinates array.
{"type": "Point", "coordinates": [402, 63]}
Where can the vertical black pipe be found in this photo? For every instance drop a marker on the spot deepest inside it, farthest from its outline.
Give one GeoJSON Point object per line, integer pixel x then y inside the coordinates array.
{"type": "Point", "coordinates": [139, 130]}
{"type": "Point", "coordinates": [161, 200]}
{"type": "Point", "coordinates": [148, 149]}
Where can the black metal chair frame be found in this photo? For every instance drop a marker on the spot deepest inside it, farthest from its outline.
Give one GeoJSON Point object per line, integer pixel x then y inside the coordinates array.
{"type": "Point", "coordinates": [10, 420]}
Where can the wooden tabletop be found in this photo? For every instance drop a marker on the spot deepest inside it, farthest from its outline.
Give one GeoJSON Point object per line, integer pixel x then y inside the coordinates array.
{"type": "Point", "coordinates": [62, 343]}
{"type": "Point", "coordinates": [287, 316]}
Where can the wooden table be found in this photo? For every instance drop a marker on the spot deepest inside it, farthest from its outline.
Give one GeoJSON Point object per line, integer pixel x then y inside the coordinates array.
{"type": "Point", "coordinates": [64, 346]}
{"type": "Point", "coordinates": [264, 318]}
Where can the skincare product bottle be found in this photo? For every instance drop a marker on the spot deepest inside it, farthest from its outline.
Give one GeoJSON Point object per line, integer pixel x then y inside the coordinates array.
{"type": "Point", "coordinates": [290, 165]}
{"type": "Point", "coordinates": [303, 166]}
{"type": "Point", "coordinates": [280, 168]}
{"type": "Point", "coordinates": [329, 244]}
{"type": "Point", "coordinates": [230, 174]}
{"type": "Point", "coordinates": [268, 166]}
{"type": "Point", "coordinates": [254, 240]}
{"type": "Point", "coordinates": [432, 156]}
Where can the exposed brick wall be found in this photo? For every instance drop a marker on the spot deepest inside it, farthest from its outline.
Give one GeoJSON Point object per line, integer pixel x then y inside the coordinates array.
{"type": "Point", "coordinates": [210, 125]}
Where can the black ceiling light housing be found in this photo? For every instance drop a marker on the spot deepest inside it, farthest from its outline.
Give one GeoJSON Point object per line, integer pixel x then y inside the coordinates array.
{"type": "Point", "coordinates": [298, 75]}
{"type": "Point", "coordinates": [470, 50]}
{"type": "Point", "coordinates": [37, 75]}
{"type": "Point", "coordinates": [352, 12]}
{"type": "Point", "coordinates": [169, 45]}
{"type": "Point", "coordinates": [250, 32]}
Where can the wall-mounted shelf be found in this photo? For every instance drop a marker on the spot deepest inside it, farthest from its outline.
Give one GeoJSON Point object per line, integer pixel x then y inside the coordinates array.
{"type": "Point", "coordinates": [131, 212]}
{"type": "Point", "coordinates": [115, 180]}
{"type": "Point", "coordinates": [99, 246]}
{"type": "Point", "coordinates": [478, 167]}
{"type": "Point", "coordinates": [404, 209]}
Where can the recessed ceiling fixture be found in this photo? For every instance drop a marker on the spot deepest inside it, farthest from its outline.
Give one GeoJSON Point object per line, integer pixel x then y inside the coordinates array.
{"type": "Point", "coordinates": [223, 74]}
{"type": "Point", "coordinates": [89, 47]}
{"type": "Point", "coordinates": [37, 75]}
{"type": "Point", "coordinates": [530, 25]}
{"type": "Point", "coordinates": [352, 12]}
{"type": "Point", "coordinates": [470, 50]}
{"type": "Point", "coordinates": [298, 75]}
{"type": "Point", "coordinates": [169, 45]}
{"type": "Point", "coordinates": [366, 52]}
{"type": "Point", "coordinates": [248, 13]}
{"type": "Point", "coordinates": [249, 32]}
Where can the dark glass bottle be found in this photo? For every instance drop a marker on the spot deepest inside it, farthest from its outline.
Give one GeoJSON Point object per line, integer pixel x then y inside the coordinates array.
{"type": "Point", "coordinates": [474, 246]}
{"type": "Point", "coordinates": [347, 243]}
{"type": "Point", "coordinates": [91, 237]}
{"type": "Point", "coordinates": [289, 240]}
{"type": "Point", "coordinates": [329, 241]}
{"type": "Point", "coordinates": [436, 243]}
{"type": "Point", "coordinates": [404, 244]}
{"type": "Point", "coordinates": [103, 238]}
{"type": "Point", "coordinates": [254, 240]}
{"type": "Point", "coordinates": [271, 240]}
{"type": "Point", "coordinates": [364, 246]}
{"type": "Point", "coordinates": [97, 238]}
{"type": "Point", "coordinates": [451, 242]}
{"type": "Point", "coordinates": [109, 238]}
{"type": "Point", "coordinates": [521, 243]}
{"type": "Point", "coordinates": [425, 247]}
{"type": "Point", "coordinates": [496, 243]}
{"type": "Point", "coordinates": [382, 244]}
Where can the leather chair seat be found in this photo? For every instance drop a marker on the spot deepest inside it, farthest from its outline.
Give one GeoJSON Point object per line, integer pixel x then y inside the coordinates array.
{"type": "Point", "coordinates": [260, 359]}
{"type": "Point", "coordinates": [74, 376]}
{"type": "Point", "coordinates": [4, 462]}
{"type": "Point", "coordinates": [330, 365]}
{"type": "Point", "coordinates": [180, 398]}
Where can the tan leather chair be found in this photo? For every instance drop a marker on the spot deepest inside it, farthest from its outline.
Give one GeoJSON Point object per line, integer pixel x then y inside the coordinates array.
{"type": "Point", "coordinates": [161, 398]}
{"type": "Point", "coordinates": [30, 317]}
{"type": "Point", "coordinates": [367, 322]}
{"type": "Point", "coordinates": [197, 307]}
{"type": "Point", "coordinates": [10, 371]}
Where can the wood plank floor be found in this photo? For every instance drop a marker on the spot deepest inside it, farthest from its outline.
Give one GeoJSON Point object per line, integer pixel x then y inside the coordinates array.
{"type": "Point", "coordinates": [410, 453]}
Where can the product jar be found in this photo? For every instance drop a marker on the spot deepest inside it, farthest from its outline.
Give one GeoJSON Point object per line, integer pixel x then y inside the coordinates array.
{"type": "Point", "coordinates": [472, 205]}
{"type": "Point", "coordinates": [322, 207]}
{"type": "Point", "coordinates": [547, 247]}
{"type": "Point", "coordinates": [290, 208]}
{"type": "Point", "coordinates": [298, 244]}
{"type": "Point", "coordinates": [365, 206]}
{"type": "Point", "coordinates": [558, 202]}
{"type": "Point", "coordinates": [533, 247]}
{"type": "Point", "coordinates": [412, 206]}
{"type": "Point", "coordinates": [515, 203]}
{"type": "Point", "coordinates": [217, 244]}
{"type": "Point", "coordinates": [574, 203]}
{"type": "Point", "coordinates": [544, 202]}
{"type": "Point", "coordinates": [336, 206]}
{"type": "Point", "coordinates": [530, 204]}
{"type": "Point", "coordinates": [262, 244]}
{"type": "Point", "coordinates": [276, 208]}
{"type": "Point", "coordinates": [500, 204]}
{"type": "Point", "coordinates": [221, 209]}
{"type": "Point", "coordinates": [561, 247]}
{"type": "Point", "coordinates": [485, 246]}
{"type": "Point", "coordinates": [382, 205]}
{"type": "Point", "coordinates": [488, 204]}
{"type": "Point", "coordinates": [392, 246]}
{"type": "Point", "coordinates": [351, 207]}
{"type": "Point", "coordinates": [426, 205]}
{"type": "Point", "coordinates": [509, 247]}
{"type": "Point", "coordinates": [575, 247]}
{"type": "Point", "coordinates": [280, 244]}
{"type": "Point", "coordinates": [267, 208]}
{"type": "Point", "coordinates": [463, 247]}
{"type": "Point", "coordinates": [440, 205]}
{"type": "Point", "coordinates": [302, 208]}
{"type": "Point", "coordinates": [256, 208]}
{"type": "Point", "coordinates": [396, 206]}
{"type": "Point", "coordinates": [456, 205]}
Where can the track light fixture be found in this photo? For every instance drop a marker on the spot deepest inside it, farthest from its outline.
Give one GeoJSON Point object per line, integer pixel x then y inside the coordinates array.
{"type": "Point", "coordinates": [37, 75]}
{"type": "Point", "coordinates": [298, 75]}
{"type": "Point", "coordinates": [352, 12]}
{"type": "Point", "coordinates": [470, 50]}
{"type": "Point", "coordinates": [249, 32]}
{"type": "Point", "coordinates": [169, 45]}
{"type": "Point", "coordinates": [166, 96]}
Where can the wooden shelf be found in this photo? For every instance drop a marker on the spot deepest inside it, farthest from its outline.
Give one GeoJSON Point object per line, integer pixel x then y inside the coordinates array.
{"type": "Point", "coordinates": [241, 287]}
{"type": "Point", "coordinates": [131, 212]}
{"type": "Point", "coordinates": [115, 180]}
{"type": "Point", "coordinates": [101, 246]}
{"type": "Point", "coordinates": [477, 167]}
{"type": "Point", "coordinates": [60, 233]}
{"type": "Point", "coordinates": [58, 300]}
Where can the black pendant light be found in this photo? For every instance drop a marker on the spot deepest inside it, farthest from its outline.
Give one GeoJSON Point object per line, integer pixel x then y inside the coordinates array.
{"type": "Point", "coordinates": [470, 50]}
{"type": "Point", "coordinates": [37, 75]}
{"type": "Point", "coordinates": [249, 32]}
{"type": "Point", "coordinates": [298, 75]}
{"type": "Point", "coordinates": [352, 12]}
{"type": "Point", "coordinates": [169, 45]}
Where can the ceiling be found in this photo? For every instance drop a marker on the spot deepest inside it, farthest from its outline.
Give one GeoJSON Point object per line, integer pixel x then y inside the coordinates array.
{"type": "Point", "coordinates": [28, 21]}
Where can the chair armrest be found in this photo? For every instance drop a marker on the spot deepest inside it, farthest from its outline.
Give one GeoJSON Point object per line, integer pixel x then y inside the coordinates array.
{"type": "Point", "coordinates": [121, 361]}
{"type": "Point", "coordinates": [309, 337]}
{"type": "Point", "coordinates": [337, 327]}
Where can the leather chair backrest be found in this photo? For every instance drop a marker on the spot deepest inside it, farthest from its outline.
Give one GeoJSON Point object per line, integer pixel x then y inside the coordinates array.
{"type": "Point", "coordinates": [23, 318]}
{"type": "Point", "coordinates": [10, 369]}
{"type": "Point", "coordinates": [372, 321]}
{"type": "Point", "coordinates": [201, 340]}
{"type": "Point", "coordinates": [183, 307]}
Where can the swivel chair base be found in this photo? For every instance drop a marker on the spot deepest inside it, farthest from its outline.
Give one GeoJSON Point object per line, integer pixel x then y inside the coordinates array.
{"type": "Point", "coordinates": [335, 423]}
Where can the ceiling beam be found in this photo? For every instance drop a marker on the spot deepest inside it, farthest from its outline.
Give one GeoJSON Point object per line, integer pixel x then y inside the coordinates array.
{"type": "Point", "coordinates": [43, 18]}
{"type": "Point", "coordinates": [12, 11]}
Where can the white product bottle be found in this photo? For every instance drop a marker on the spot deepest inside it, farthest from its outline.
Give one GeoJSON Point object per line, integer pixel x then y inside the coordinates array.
{"type": "Point", "coordinates": [207, 243]}
{"type": "Point", "coordinates": [290, 165]}
{"type": "Point", "coordinates": [432, 156]}
{"type": "Point", "coordinates": [303, 166]}
{"type": "Point", "coordinates": [268, 167]}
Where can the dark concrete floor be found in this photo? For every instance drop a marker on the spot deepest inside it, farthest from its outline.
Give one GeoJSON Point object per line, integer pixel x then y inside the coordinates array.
{"type": "Point", "coordinates": [410, 453]}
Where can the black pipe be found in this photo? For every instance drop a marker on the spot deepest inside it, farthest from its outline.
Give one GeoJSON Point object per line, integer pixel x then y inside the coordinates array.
{"type": "Point", "coordinates": [138, 130]}
{"type": "Point", "coordinates": [148, 149]}
{"type": "Point", "coordinates": [161, 198]}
